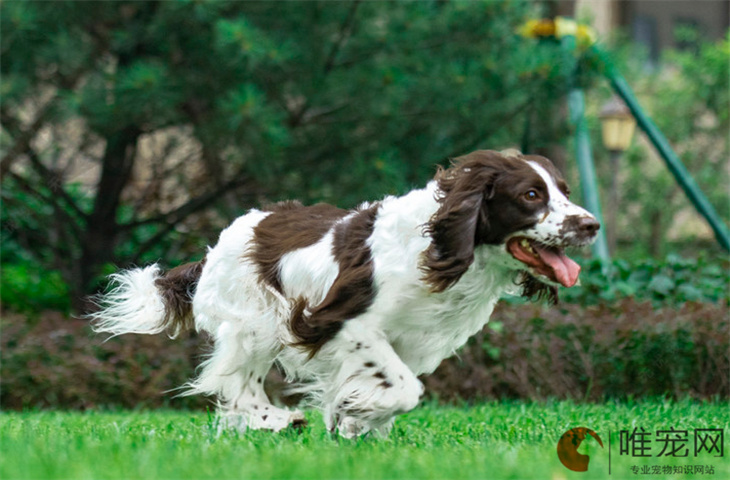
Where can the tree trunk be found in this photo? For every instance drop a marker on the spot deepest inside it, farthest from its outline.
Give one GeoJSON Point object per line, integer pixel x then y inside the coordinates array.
{"type": "Point", "coordinates": [100, 235]}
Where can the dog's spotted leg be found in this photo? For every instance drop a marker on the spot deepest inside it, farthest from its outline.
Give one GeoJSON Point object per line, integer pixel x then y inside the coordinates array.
{"type": "Point", "coordinates": [371, 386]}
{"type": "Point", "coordinates": [235, 373]}
{"type": "Point", "coordinates": [252, 410]}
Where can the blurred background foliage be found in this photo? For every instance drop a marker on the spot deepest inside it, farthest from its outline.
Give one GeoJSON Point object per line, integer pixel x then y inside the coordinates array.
{"type": "Point", "coordinates": [133, 132]}
{"type": "Point", "coordinates": [139, 129]}
{"type": "Point", "coordinates": [688, 98]}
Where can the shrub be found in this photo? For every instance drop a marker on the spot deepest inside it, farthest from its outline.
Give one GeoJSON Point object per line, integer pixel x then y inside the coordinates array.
{"type": "Point", "coordinates": [27, 287]}
{"type": "Point", "coordinates": [527, 351]}
{"type": "Point", "coordinates": [622, 350]}
{"type": "Point", "coordinates": [672, 281]}
{"type": "Point", "coordinates": [58, 362]}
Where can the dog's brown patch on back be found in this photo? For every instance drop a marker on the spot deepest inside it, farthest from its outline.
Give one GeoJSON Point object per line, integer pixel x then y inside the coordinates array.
{"type": "Point", "coordinates": [290, 226]}
{"type": "Point", "coordinates": [353, 290]}
{"type": "Point", "coordinates": [177, 288]}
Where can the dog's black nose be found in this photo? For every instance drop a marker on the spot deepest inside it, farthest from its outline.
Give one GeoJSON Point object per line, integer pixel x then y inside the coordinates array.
{"type": "Point", "coordinates": [588, 226]}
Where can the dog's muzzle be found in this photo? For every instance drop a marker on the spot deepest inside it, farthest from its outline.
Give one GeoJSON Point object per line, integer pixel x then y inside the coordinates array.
{"type": "Point", "coordinates": [581, 228]}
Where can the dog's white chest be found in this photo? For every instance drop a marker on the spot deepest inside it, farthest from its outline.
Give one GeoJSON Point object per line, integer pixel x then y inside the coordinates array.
{"type": "Point", "coordinates": [426, 328]}
{"type": "Point", "coordinates": [438, 336]}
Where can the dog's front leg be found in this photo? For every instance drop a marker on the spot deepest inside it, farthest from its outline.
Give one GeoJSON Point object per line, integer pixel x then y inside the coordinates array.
{"type": "Point", "coordinates": [371, 386]}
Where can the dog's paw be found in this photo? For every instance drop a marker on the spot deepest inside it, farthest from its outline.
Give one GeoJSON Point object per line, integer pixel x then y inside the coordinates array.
{"type": "Point", "coordinates": [350, 427]}
{"type": "Point", "coordinates": [262, 418]}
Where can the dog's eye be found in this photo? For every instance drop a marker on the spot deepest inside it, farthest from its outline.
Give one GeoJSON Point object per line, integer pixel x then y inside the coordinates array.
{"type": "Point", "coordinates": [532, 195]}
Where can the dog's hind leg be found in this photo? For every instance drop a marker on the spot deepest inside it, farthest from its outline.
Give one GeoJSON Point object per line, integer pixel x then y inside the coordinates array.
{"type": "Point", "coordinates": [236, 372]}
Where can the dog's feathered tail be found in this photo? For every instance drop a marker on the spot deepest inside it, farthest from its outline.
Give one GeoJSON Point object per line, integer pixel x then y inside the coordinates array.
{"type": "Point", "coordinates": [144, 300]}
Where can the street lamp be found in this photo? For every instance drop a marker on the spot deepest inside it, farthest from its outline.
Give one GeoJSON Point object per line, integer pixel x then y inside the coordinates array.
{"type": "Point", "coordinates": [617, 125]}
{"type": "Point", "coordinates": [617, 129]}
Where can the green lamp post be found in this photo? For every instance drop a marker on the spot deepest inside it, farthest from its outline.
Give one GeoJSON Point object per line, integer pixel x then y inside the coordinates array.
{"type": "Point", "coordinates": [617, 130]}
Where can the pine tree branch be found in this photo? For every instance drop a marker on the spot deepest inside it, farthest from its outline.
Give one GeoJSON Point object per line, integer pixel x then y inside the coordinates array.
{"type": "Point", "coordinates": [481, 137]}
{"type": "Point", "coordinates": [171, 219]}
{"type": "Point", "coordinates": [344, 33]}
{"type": "Point", "coordinates": [54, 183]}
{"type": "Point", "coordinates": [50, 200]}
{"type": "Point", "coordinates": [193, 205]}
{"type": "Point", "coordinates": [30, 240]}
{"type": "Point", "coordinates": [298, 117]}
{"type": "Point", "coordinates": [22, 142]}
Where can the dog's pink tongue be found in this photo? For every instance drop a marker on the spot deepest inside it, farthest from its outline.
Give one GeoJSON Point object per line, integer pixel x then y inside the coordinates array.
{"type": "Point", "coordinates": [565, 269]}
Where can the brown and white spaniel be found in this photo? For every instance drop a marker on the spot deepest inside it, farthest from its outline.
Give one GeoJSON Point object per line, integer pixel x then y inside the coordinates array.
{"type": "Point", "coordinates": [353, 305]}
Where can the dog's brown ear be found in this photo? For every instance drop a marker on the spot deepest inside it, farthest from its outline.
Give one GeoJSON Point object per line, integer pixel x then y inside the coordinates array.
{"type": "Point", "coordinates": [464, 190]}
{"type": "Point", "coordinates": [453, 234]}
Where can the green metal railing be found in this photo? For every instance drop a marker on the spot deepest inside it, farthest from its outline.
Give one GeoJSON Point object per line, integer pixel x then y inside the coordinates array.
{"type": "Point", "coordinates": [661, 144]}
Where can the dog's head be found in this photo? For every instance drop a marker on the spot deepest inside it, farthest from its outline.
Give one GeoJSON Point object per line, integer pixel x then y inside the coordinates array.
{"type": "Point", "coordinates": [519, 201]}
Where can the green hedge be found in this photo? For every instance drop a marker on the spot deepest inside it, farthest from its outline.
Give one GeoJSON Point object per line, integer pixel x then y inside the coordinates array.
{"type": "Point", "coordinates": [527, 351]}
{"type": "Point", "coordinates": [26, 287]}
{"type": "Point", "coordinates": [623, 350]}
{"type": "Point", "coordinates": [53, 361]}
{"type": "Point", "coordinates": [672, 281]}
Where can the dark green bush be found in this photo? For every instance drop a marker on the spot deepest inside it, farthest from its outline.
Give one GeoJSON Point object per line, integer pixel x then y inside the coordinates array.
{"type": "Point", "coordinates": [672, 281]}
{"type": "Point", "coordinates": [58, 362]}
{"type": "Point", "coordinates": [618, 351]}
{"type": "Point", "coordinates": [527, 351]}
{"type": "Point", "coordinates": [27, 287]}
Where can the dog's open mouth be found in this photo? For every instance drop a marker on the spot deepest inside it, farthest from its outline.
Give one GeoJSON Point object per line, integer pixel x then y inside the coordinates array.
{"type": "Point", "coordinates": [545, 260]}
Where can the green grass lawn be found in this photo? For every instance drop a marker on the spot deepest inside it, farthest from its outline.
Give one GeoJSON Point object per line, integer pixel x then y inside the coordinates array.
{"type": "Point", "coordinates": [484, 441]}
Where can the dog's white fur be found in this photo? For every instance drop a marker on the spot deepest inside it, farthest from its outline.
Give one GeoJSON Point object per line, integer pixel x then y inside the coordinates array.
{"type": "Point", "coordinates": [406, 332]}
